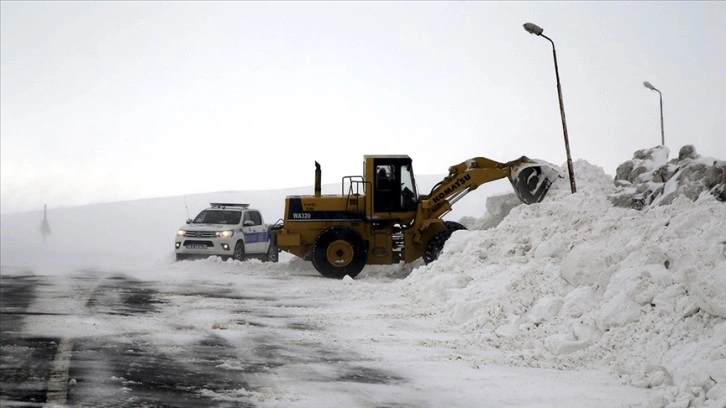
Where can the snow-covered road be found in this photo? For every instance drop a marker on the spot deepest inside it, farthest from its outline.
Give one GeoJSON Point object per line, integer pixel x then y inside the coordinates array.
{"type": "Point", "coordinates": [212, 333]}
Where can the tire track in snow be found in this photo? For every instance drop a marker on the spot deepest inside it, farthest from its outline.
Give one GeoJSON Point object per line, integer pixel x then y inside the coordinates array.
{"type": "Point", "coordinates": [58, 381]}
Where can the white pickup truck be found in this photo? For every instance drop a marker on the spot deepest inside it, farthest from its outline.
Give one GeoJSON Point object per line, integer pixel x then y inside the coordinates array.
{"type": "Point", "coordinates": [228, 230]}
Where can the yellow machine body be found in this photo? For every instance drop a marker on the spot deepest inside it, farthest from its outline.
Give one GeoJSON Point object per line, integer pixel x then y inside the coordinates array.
{"type": "Point", "coordinates": [380, 218]}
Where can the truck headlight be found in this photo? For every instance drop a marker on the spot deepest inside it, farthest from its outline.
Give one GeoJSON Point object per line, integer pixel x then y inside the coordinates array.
{"type": "Point", "coordinates": [225, 234]}
{"type": "Point", "coordinates": [180, 232]}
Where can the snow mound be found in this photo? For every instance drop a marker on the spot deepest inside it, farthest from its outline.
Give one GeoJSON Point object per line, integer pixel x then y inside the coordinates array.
{"type": "Point", "coordinates": [649, 179]}
{"type": "Point", "coordinates": [498, 207]}
{"type": "Point", "coordinates": [576, 282]}
{"type": "Point", "coordinates": [590, 179]}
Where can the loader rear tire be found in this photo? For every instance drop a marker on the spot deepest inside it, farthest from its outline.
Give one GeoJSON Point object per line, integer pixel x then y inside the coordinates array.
{"type": "Point", "coordinates": [339, 251]}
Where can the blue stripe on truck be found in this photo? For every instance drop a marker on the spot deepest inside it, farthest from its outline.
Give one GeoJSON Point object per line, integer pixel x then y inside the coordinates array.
{"type": "Point", "coordinates": [252, 237]}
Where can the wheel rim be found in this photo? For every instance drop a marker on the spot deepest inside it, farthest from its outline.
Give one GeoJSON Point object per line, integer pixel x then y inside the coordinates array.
{"type": "Point", "coordinates": [340, 253]}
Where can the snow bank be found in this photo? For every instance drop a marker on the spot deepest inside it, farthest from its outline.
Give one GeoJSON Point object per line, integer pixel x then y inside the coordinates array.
{"type": "Point", "coordinates": [575, 282]}
{"type": "Point", "coordinates": [649, 179]}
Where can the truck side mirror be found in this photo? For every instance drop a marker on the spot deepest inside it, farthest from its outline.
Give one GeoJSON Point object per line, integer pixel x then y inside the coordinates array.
{"type": "Point", "coordinates": [189, 220]}
{"type": "Point", "coordinates": [248, 223]}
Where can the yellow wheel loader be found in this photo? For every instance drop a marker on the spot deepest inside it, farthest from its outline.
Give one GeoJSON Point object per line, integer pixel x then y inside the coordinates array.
{"type": "Point", "coordinates": [380, 218]}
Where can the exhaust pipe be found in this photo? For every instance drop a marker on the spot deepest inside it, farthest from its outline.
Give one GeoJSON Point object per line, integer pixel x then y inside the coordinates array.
{"type": "Point", "coordinates": [317, 179]}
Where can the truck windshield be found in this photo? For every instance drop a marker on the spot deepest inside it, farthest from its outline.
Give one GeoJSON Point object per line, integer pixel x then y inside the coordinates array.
{"type": "Point", "coordinates": [218, 217]}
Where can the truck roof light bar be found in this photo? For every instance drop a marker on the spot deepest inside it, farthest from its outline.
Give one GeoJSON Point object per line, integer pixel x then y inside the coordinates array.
{"type": "Point", "coordinates": [222, 205]}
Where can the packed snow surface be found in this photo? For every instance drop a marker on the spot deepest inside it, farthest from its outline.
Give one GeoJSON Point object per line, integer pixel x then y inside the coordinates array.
{"type": "Point", "coordinates": [575, 282]}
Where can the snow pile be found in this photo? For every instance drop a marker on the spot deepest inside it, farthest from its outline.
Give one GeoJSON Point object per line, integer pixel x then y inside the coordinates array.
{"type": "Point", "coordinates": [498, 207]}
{"type": "Point", "coordinates": [574, 282]}
{"type": "Point", "coordinates": [649, 179]}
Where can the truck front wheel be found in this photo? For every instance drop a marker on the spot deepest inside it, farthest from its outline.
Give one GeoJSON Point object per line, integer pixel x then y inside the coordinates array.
{"type": "Point", "coordinates": [239, 251]}
{"type": "Point", "coordinates": [339, 251]}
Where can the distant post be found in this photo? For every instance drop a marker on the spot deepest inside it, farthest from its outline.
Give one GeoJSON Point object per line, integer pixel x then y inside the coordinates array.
{"type": "Point", "coordinates": [45, 226]}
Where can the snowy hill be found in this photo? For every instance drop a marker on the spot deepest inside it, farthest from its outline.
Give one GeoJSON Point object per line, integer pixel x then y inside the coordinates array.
{"type": "Point", "coordinates": [627, 274]}
{"type": "Point", "coordinates": [144, 230]}
{"type": "Point", "coordinates": [575, 282]}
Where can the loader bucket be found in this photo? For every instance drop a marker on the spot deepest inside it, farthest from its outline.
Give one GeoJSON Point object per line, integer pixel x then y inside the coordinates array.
{"type": "Point", "coordinates": [532, 180]}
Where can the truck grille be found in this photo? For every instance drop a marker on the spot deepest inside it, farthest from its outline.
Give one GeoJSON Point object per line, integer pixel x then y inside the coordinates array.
{"type": "Point", "coordinates": [200, 234]}
{"type": "Point", "coordinates": [192, 243]}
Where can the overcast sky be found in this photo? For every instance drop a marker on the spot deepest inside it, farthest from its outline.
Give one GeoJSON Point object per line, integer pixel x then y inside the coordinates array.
{"type": "Point", "coordinates": [108, 101]}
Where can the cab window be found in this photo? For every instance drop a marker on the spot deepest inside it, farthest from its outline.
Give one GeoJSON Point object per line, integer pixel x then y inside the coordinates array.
{"type": "Point", "coordinates": [409, 195]}
{"type": "Point", "coordinates": [386, 187]}
{"type": "Point", "coordinates": [384, 177]}
{"type": "Point", "coordinates": [256, 217]}
{"type": "Point", "coordinates": [252, 216]}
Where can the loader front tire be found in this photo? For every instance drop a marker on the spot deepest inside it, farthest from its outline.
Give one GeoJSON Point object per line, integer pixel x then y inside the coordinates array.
{"type": "Point", "coordinates": [454, 226]}
{"type": "Point", "coordinates": [436, 244]}
{"type": "Point", "coordinates": [273, 254]}
{"type": "Point", "coordinates": [339, 251]}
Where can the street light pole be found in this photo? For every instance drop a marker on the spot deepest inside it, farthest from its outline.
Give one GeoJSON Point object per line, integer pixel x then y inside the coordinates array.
{"type": "Point", "coordinates": [536, 30]}
{"type": "Point", "coordinates": [652, 88]}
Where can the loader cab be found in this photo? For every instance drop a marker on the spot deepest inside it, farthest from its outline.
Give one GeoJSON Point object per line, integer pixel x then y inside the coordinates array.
{"type": "Point", "coordinates": [394, 187]}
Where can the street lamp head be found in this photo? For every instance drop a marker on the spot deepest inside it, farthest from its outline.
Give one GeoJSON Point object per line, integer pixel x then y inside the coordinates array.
{"type": "Point", "coordinates": [533, 28]}
{"type": "Point", "coordinates": [652, 88]}
{"type": "Point", "coordinates": [649, 86]}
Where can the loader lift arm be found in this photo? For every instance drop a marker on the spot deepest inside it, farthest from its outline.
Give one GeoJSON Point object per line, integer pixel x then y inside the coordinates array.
{"type": "Point", "coordinates": [529, 179]}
